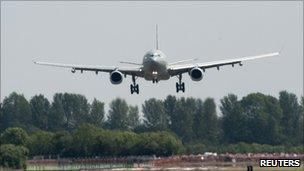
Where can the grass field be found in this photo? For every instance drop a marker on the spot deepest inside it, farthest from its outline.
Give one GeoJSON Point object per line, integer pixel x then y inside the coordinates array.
{"type": "Point", "coordinates": [213, 169]}
{"type": "Point", "coordinates": [193, 169]}
{"type": "Point", "coordinates": [188, 168]}
{"type": "Point", "coordinates": [177, 166]}
{"type": "Point", "coordinates": [217, 169]}
{"type": "Point", "coordinates": [261, 169]}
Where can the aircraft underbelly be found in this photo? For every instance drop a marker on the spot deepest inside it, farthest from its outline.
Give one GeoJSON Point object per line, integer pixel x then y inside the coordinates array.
{"type": "Point", "coordinates": [155, 71]}
{"type": "Point", "coordinates": [159, 77]}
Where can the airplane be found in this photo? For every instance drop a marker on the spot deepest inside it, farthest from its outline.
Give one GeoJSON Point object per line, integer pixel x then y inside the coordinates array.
{"type": "Point", "coordinates": [156, 68]}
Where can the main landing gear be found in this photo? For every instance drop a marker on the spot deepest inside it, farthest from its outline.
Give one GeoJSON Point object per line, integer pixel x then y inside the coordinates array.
{"type": "Point", "coordinates": [134, 87]}
{"type": "Point", "coordinates": [180, 86]}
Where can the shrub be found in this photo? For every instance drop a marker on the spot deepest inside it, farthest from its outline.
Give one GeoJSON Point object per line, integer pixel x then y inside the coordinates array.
{"type": "Point", "coordinates": [14, 135]}
{"type": "Point", "coordinates": [13, 156]}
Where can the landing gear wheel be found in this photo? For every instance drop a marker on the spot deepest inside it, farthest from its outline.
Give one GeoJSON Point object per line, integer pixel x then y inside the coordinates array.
{"type": "Point", "coordinates": [180, 85]}
{"type": "Point", "coordinates": [137, 89]}
{"type": "Point", "coordinates": [155, 81]}
{"type": "Point", "coordinates": [134, 87]}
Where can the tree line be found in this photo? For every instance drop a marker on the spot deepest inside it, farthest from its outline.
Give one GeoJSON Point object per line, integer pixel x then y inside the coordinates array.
{"type": "Point", "coordinates": [255, 118]}
{"type": "Point", "coordinates": [71, 126]}
{"type": "Point", "coordinates": [86, 140]}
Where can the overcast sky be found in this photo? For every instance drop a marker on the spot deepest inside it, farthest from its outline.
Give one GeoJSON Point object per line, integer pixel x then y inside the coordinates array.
{"type": "Point", "coordinates": [103, 33]}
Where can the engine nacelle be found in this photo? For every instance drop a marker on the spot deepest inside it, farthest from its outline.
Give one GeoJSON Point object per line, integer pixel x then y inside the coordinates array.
{"type": "Point", "coordinates": [196, 74]}
{"type": "Point", "coordinates": [116, 77]}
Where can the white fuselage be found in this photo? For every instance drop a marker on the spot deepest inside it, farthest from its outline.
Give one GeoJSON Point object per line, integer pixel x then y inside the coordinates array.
{"type": "Point", "coordinates": [155, 66]}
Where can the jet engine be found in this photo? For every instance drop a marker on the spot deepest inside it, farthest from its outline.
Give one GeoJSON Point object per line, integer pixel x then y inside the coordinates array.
{"type": "Point", "coordinates": [196, 74]}
{"type": "Point", "coordinates": [116, 77]}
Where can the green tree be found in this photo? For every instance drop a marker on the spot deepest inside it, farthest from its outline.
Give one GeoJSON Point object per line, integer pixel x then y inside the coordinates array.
{"type": "Point", "coordinates": [73, 109]}
{"type": "Point", "coordinates": [40, 143]}
{"type": "Point", "coordinates": [274, 111]}
{"type": "Point", "coordinates": [16, 112]}
{"type": "Point", "coordinates": [159, 144]}
{"type": "Point", "coordinates": [57, 119]}
{"type": "Point", "coordinates": [133, 118]}
{"type": "Point", "coordinates": [170, 104]}
{"type": "Point", "coordinates": [199, 122]}
{"type": "Point", "coordinates": [105, 145]}
{"type": "Point", "coordinates": [291, 115]}
{"type": "Point", "coordinates": [84, 139]}
{"type": "Point", "coordinates": [116, 143]}
{"type": "Point", "coordinates": [13, 156]}
{"type": "Point", "coordinates": [76, 110]}
{"type": "Point", "coordinates": [300, 135]}
{"type": "Point", "coordinates": [14, 135]}
{"type": "Point", "coordinates": [256, 117]}
{"type": "Point", "coordinates": [263, 115]}
{"type": "Point", "coordinates": [155, 116]}
{"type": "Point", "coordinates": [233, 120]}
{"type": "Point", "coordinates": [96, 115]}
{"type": "Point", "coordinates": [40, 107]}
{"type": "Point", "coordinates": [62, 142]}
{"type": "Point", "coordinates": [118, 114]}
{"type": "Point", "coordinates": [1, 117]}
{"type": "Point", "coordinates": [126, 143]}
{"type": "Point", "coordinates": [182, 122]}
{"type": "Point", "coordinates": [210, 126]}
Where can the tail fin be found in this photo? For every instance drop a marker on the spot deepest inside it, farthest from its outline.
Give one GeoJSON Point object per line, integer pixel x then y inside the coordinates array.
{"type": "Point", "coordinates": [157, 43]}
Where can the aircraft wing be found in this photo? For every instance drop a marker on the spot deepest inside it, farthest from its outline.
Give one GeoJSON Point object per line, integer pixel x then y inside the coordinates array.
{"type": "Point", "coordinates": [136, 71]}
{"type": "Point", "coordinates": [179, 69]}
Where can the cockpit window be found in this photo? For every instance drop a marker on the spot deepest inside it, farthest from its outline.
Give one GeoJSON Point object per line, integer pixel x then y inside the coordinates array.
{"type": "Point", "coordinates": [152, 54]}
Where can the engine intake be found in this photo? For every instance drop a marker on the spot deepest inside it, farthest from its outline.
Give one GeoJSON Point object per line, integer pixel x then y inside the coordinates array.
{"type": "Point", "coordinates": [196, 74]}
{"type": "Point", "coordinates": [116, 77]}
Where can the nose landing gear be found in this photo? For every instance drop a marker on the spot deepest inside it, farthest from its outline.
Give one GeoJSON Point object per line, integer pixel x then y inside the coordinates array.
{"type": "Point", "coordinates": [180, 86]}
{"type": "Point", "coordinates": [134, 87]}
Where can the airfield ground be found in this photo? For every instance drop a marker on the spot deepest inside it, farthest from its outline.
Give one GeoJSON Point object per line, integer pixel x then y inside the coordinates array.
{"type": "Point", "coordinates": [209, 162]}
{"type": "Point", "coordinates": [214, 169]}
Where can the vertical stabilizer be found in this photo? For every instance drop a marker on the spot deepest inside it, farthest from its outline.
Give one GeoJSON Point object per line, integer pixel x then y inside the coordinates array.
{"type": "Point", "coordinates": [157, 43]}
